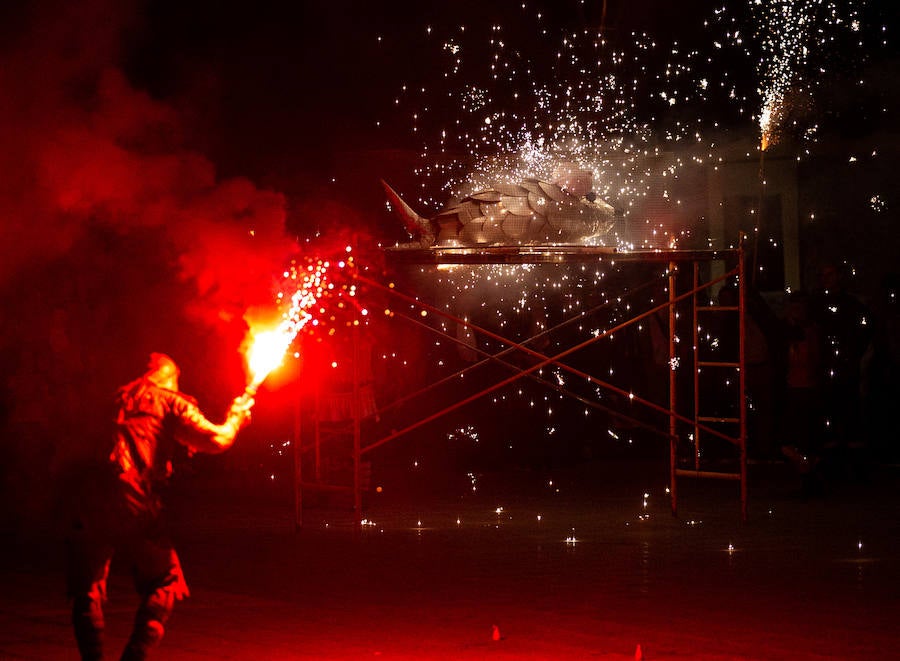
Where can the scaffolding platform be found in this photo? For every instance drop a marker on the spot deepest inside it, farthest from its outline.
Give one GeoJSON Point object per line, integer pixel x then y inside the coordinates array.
{"type": "Point", "coordinates": [687, 286]}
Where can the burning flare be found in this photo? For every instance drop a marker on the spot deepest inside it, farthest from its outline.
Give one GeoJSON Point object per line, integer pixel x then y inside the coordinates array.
{"type": "Point", "coordinates": [266, 353]}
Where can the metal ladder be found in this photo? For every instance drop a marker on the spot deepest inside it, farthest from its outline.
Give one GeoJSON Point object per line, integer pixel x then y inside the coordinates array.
{"type": "Point", "coordinates": [709, 424]}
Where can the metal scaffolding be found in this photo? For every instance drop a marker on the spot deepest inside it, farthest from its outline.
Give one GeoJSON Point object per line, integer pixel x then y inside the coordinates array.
{"type": "Point", "coordinates": [707, 269]}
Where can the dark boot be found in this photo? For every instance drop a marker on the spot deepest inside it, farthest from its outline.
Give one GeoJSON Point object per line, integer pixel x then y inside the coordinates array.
{"type": "Point", "coordinates": [149, 624]}
{"type": "Point", "coordinates": [143, 639]}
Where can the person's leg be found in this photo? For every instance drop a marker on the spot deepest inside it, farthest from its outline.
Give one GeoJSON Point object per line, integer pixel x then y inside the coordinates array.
{"type": "Point", "coordinates": [88, 569]}
{"type": "Point", "coordinates": [149, 624]}
{"type": "Point", "coordinates": [160, 582]}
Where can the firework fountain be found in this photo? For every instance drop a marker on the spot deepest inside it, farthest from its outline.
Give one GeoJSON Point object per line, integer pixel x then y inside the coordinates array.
{"type": "Point", "coordinates": [797, 41]}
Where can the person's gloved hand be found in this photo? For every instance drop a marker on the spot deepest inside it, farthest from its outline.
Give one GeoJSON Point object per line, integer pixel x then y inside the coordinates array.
{"type": "Point", "coordinates": [239, 411]}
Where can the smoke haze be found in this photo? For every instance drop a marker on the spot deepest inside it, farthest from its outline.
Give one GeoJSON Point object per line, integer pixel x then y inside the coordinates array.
{"type": "Point", "coordinates": [118, 239]}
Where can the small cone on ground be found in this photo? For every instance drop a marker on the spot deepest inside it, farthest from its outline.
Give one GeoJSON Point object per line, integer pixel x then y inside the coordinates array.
{"type": "Point", "coordinates": [638, 654]}
{"type": "Point", "coordinates": [495, 633]}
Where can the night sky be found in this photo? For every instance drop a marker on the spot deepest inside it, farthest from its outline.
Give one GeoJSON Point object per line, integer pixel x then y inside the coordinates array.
{"type": "Point", "coordinates": [143, 139]}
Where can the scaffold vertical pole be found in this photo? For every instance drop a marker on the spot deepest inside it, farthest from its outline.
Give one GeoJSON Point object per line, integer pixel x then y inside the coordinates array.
{"type": "Point", "coordinates": [696, 350]}
{"type": "Point", "coordinates": [356, 413]}
{"type": "Point", "coordinates": [317, 431]}
{"type": "Point", "coordinates": [673, 397]}
{"type": "Point", "coordinates": [742, 380]}
{"type": "Point", "coordinates": [298, 467]}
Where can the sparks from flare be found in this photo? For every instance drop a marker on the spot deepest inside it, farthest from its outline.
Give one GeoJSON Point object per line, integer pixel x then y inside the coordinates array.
{"type": "Point", "coordinates": [267, 348]}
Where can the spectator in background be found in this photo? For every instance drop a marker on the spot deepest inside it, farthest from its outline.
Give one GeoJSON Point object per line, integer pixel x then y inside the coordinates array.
{"type": "Point", "coordinates": [802, 413]}
{"type": "Point", "coordinates": [846, 328]}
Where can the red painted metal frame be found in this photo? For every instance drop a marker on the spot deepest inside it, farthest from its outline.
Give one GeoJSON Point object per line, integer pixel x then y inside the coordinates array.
{"type": "Point", "coordinates": [562, 255]}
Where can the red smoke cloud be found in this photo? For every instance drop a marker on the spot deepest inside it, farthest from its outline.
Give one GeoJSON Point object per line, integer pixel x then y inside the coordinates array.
{"type": "Point", "coordinates": [118, 237]}
{"type": "Point", "coordinates": [83, 147]}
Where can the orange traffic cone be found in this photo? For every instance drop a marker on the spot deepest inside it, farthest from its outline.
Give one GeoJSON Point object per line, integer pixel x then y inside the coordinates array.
{"type": "Point", "coordinates": [495, 634]}
{"type": "Point", "coordinates": [638, 654]}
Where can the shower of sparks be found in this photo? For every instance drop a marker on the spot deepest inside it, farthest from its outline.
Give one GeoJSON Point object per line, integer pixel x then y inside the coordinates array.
{"type": "Point", "coordinates": [467, 432]}
{"type": "Point", "coordinates": [569, 107]}
{"type": "Point", "coordinates": [629, 119]}
{"type": "Point", "coordinates": [799, 42]}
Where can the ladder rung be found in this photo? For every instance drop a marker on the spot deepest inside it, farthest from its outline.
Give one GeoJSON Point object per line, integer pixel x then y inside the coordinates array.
{"type": "Point", "coordinates": [716, 363]}
{"type": "Point", "coordinates": [685, 472]}
{"type": "Point", "coordinates": [718, 308]}
{"type": "Point", "coordinates": [706, 418]}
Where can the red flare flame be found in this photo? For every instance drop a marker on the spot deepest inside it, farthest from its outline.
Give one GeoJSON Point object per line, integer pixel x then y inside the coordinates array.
{"type": "Point", "coordinates": [304, 288]}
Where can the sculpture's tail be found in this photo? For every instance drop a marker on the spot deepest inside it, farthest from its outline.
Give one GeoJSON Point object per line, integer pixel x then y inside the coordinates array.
{"type": "Point", "coordinates": [415, 224]}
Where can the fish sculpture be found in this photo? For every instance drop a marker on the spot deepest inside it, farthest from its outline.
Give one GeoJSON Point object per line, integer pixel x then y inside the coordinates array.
{"type": "Point", "coordinates": [527, 213]}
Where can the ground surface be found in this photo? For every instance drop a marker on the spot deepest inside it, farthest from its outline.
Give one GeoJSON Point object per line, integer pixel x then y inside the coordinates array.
{"type": "Point", "coordinates": [433, 574]}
